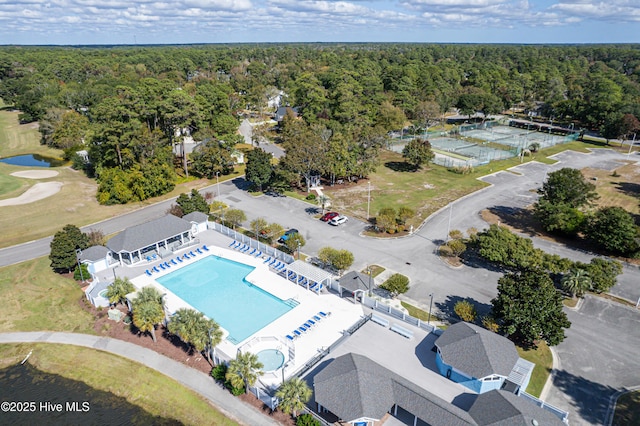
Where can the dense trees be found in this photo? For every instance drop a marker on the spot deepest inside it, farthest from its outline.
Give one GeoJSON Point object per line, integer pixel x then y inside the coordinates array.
{"type": "Point", "coordinates": [418, 152]}
{"type": "Point", "coordinates": [64, 247]}
{"type": "Point", "coordinates": [133, 107]}
{"type": "Point", "coordinates": [614, 230]}
{"type": "Point", "coordinates": [563, 197]}
{"type": "Point", "coordinates": [529, 308]}
{"type": "Point", "coordinates": [564, 208]}
{"type": "Point", "coordinates": [194, 202]}
{"type": "Point", "coordinates": [259, 169]}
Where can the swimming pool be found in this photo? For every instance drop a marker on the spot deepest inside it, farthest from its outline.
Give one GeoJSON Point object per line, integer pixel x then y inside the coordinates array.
{"type": "Point", "coordinates": [271, 359]}
{"type": "Point", "coordinates": [217, 287]}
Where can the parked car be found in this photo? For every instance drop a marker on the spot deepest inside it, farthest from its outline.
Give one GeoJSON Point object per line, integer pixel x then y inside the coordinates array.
{"type": "Point", "coordinates": [328, 216]}
{"type": "Point", "coordinates": [338, 220]}
{"type": "Point", "coordinates": [290, 233]}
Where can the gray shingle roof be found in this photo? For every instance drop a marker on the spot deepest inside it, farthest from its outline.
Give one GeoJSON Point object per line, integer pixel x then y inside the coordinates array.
{"type": "Point", "coordinates": [476, 351]}
{"type": "Point", "coordinates": [502, 408]}
{"type": "Point", "coordinates": [94, 253]}
{"type": "Point", "coordinates": [352, 386]}
{"type": "Point", "coordinates": [146, 234]}
{"type": "Point", "coordinates": [197, 217]}
{"type": "Point", "coordinates": [355, 280]}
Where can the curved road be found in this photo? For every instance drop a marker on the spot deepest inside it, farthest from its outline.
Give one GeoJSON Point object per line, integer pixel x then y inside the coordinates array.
{"type": "Point", "coordinates": [201, 383]}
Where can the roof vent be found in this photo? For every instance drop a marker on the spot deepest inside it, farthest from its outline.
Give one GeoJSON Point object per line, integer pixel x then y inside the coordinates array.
{"type": "Point", "coordinates": [534, 422]}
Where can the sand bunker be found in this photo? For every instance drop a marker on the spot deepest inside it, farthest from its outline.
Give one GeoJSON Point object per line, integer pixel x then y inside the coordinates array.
{"type": "Point", "coordinates": [37, 192]}
{"type": "Point", "coordinates": [35, 174]}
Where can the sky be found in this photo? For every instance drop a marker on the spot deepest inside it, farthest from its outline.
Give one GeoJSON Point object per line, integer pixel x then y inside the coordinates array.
{"type": "Point", "coordinates": [87, 22]}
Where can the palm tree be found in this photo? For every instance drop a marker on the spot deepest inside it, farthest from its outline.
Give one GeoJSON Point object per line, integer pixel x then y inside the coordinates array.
{"type": "Point", "coordinates": [577, 282]}
{"type": "Point", "coordinates": [149, 293]}
{"type": "Point", "coordinates": [244, 370]}
{"type": "Point", "coordinates": [146, 314]}
{"type": "Point", "coordinates": [195, 329]}
{"type": "Point", "coordinates": [117, 291]}
{"type": "Point", "coordinates": [293, 395]}
{"type": "Point", "coordinates": [323, 200]}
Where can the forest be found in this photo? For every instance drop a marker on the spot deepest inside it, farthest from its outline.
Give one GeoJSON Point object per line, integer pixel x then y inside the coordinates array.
{"type": "Point", "coordinates": [130, 106]}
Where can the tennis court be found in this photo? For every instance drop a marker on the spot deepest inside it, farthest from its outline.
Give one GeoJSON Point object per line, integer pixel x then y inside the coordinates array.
{"type": "Point", "coordinates": [488, 141]}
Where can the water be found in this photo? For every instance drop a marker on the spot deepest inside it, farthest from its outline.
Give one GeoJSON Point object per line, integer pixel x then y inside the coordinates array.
{"type": "Point", "coordinates": [24, 383]}
{"type": "Point", "coordinates": [32, 160]}
{"type": "Point", "coordinates": [271, 359]}
{"type": "Point", "coordinates": [217, 288]}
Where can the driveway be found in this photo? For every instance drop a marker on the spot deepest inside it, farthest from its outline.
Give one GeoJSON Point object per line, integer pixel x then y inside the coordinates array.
{"type": "Point", "coordinates": [598, 358]}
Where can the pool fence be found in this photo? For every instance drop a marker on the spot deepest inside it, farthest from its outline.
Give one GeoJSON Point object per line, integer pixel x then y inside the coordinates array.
{"type": "Point", "coordinates": [266, 249]}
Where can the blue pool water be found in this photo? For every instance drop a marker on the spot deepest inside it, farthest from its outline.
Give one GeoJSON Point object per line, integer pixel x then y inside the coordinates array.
{"type": "Point", "coordinates": [271, 359]}
{"type": "Point", "coordinates": [217, 288]}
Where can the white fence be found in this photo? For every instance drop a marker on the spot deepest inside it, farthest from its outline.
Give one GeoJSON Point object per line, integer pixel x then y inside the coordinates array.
{"type": "Point", "coordinates": [402, 316]}
{"type": "Point", "coordinates": [239, 236]}
{"type": "Point", "coordinates": [563, 415]}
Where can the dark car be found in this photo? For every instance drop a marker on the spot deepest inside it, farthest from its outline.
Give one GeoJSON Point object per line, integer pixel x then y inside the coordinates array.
{"type": "Point", "coordinates": [328, 216]}
{"type": "Point", "coordinates": [290, 233]}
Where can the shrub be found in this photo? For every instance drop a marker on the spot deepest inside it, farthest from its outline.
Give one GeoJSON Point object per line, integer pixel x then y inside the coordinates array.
{"type": "Point", "coordinates": [235, 391]}
{"type": "Point", "coordinates": [490, 323]}
{"type": "Point", "coordinates": [465, 310]}
{"type": "Point", "coordinates": [455, 234]}
{"type": "Point", "coordinates": [457, 247]}
{"type": "Point", "coordinates": [396, 284]}
{"type": "Point", "coordinates": [307, 420]}
{"type": "Point", "coordinates": [311, 197]}
{"type": "Point", "coordinates": [77, 275]}
{"type": "Point", "coordinates": [445, 251]}
{"type": "Point", "coordinates": [218, 372]}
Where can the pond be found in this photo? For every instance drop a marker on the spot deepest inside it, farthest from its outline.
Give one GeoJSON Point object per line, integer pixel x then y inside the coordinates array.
{"type": "Point", "coordinates": [32, 160]}
{"type": "Point", "coordinates": [46, 398]}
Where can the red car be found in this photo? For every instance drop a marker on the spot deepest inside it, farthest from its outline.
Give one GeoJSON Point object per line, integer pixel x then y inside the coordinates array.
{"type": "Point", "coordinates": [328, 216]}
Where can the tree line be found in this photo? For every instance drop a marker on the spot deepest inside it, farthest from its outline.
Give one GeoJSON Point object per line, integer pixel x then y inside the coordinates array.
{"type": "Point", "coordinates": [130, 107]}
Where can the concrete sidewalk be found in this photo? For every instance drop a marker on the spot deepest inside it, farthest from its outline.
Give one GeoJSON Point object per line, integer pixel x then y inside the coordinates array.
{"type": "Point", "coordinates": [201, 383]}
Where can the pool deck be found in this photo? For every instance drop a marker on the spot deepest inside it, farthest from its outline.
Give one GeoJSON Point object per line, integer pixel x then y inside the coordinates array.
{"type": "Point", "coordinates": [341, 313]}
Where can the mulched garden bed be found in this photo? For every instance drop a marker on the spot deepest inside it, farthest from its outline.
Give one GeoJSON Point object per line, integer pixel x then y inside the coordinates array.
{"type": "Point", "coordinates": [169, 346]}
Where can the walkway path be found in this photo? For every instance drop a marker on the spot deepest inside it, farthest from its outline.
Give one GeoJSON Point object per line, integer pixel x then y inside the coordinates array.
{"type": "Point", "coordinates": [199, 382]}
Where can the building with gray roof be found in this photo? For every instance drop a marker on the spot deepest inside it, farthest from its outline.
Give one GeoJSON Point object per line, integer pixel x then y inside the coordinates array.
{"type": "Point", "coordinates": [157, 237]}
{"type": "Point", "coordinates": [354, 282]}
{"type": "Point", "coordinates": [475, 357]}
{"type": "Point", "coordinates": [360, 391]}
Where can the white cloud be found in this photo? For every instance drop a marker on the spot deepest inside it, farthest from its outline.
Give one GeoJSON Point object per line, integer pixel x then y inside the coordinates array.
{"type": "Point", "coordinates": [294, 20]}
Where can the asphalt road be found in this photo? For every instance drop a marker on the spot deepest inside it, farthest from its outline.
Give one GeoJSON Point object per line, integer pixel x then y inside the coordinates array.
{"type": "Point", "coordinates": [598, 358]}
{"type": "Point", "coordinates": [415, 257]}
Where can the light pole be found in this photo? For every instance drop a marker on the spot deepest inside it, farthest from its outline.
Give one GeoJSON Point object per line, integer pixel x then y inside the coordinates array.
{"type": "Point", "coordinates": [631, 144]}
{"type": "Point", "coordinates": [368, 198]}
{"type": "Point", "coordinates": [449, 222]}
{"type": "Point", "coordinates": [430, 307]}
{"type": "Point", "coordinates": [298, 241]}
{"type": "Point", "coordinates": [78, 252]}
{"type": "Point", "coordinates": [369, 271]}
{"type": "Point", "coordinates": [218, 184]}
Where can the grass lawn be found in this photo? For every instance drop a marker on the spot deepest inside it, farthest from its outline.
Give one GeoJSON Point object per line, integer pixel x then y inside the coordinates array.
{"type": "Point", "coordinates": [620, 190]}
{"type": "Point", "coordinates": [34, 298]}
{"type": "Point", "coordinates": [416, 312]}
{"type": "Point", "coordinates": [139, 385]}
{"type": "Point", "coordinates": [543, 360]}
{"type": "Point", "coordinates": [375, 270]}
{"type": "Point", "coordinates": [627, 409]}
{"type": "Point", "coordinates": [430, 188]}
{"type": "Point", "coordinates": [18, 139]}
